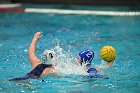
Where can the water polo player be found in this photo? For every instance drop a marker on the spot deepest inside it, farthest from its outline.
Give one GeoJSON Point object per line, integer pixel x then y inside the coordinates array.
{"type": "Point", "coordinates": [39, 68]}
{"type": "Point", "coordinates": [85, 58]}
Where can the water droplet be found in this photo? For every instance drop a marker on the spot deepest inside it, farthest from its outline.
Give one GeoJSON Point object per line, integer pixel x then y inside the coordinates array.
{"type": "Point", "coordinates": [25, 50]}
{"type": "Point", "coordinates": [22, 91]}
{"type": "Point", "coordinates": [0, 45]}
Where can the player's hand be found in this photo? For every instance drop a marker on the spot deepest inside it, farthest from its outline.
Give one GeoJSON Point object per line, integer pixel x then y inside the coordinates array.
{"type": "Point", "coordinates": [37, 35]}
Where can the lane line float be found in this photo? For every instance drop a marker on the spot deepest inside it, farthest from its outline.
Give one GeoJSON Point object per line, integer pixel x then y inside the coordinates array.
{"type": "Point", "coordinates": [74, 12]}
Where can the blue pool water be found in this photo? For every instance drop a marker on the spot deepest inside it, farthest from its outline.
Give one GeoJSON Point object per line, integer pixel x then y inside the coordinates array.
{"type": "Point", "coordinates": [74, 33]}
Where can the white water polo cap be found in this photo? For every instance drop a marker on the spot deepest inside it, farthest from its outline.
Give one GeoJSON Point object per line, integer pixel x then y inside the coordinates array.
{"type": "Point", "coordinates": [48, 57]}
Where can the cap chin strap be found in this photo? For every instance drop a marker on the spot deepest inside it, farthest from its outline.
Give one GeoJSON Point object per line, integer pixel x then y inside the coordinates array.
{"type": "Point", "coordinates": [85, 65]}
{"type": "Point", "coordinates": [86, 62]}
{"type": "Point", "coordinates": [51, 61]}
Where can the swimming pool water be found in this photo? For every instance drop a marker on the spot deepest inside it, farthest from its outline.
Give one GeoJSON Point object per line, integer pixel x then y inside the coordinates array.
{"type": "Point", "coordinates": [74, 33]}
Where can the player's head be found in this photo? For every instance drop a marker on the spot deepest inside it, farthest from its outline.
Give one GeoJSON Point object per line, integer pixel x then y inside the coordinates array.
{"type": "Point", "coordinates": [85, 57]}
{"type": "Point", "coordinates": [48, 57]}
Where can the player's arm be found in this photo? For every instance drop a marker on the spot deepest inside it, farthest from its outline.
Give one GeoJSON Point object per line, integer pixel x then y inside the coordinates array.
{"type": "Point", "coordinates": [109, 64]}
{"type": "Point", "coordinates": [31, 53]}
{"type": "Point", "coordinates": [103, 67]}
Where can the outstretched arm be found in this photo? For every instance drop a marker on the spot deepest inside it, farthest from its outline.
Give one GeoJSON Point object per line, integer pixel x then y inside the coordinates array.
{"type": "Point", "coordinates": [102, 67]}
{"type": "Point", "coordinates": [109, 64]}
{"type": "Point", "coordinates": [31, 53]}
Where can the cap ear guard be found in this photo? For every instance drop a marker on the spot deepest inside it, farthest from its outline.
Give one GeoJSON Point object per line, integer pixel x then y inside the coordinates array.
{"type": "Point", "coordinates": [44, 58]}
{"type": "Point", "coordinates": [48, 56]}
{"type": "Point", "coordinates": [51, 55]}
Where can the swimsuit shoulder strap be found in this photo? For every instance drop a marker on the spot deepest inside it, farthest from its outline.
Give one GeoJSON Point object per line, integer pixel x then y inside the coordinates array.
{"type": "Point", "coordinates": [37, 71]}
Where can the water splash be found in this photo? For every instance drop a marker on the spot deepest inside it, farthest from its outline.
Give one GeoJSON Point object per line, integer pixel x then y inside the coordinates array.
{"type": "Point", "coordinates": [66, 63]}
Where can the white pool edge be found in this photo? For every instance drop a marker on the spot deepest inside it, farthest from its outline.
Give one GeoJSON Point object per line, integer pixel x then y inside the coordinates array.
{"type": "Point", "coordinates": [82, 12]}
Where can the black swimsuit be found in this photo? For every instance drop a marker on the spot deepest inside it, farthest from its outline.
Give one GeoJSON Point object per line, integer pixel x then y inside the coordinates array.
{"type": "Point", "coordinates": [35, 73]}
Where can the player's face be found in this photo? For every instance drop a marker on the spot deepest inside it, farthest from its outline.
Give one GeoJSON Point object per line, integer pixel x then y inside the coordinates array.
{"type": "Point", "coordinates": [78, 59]}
